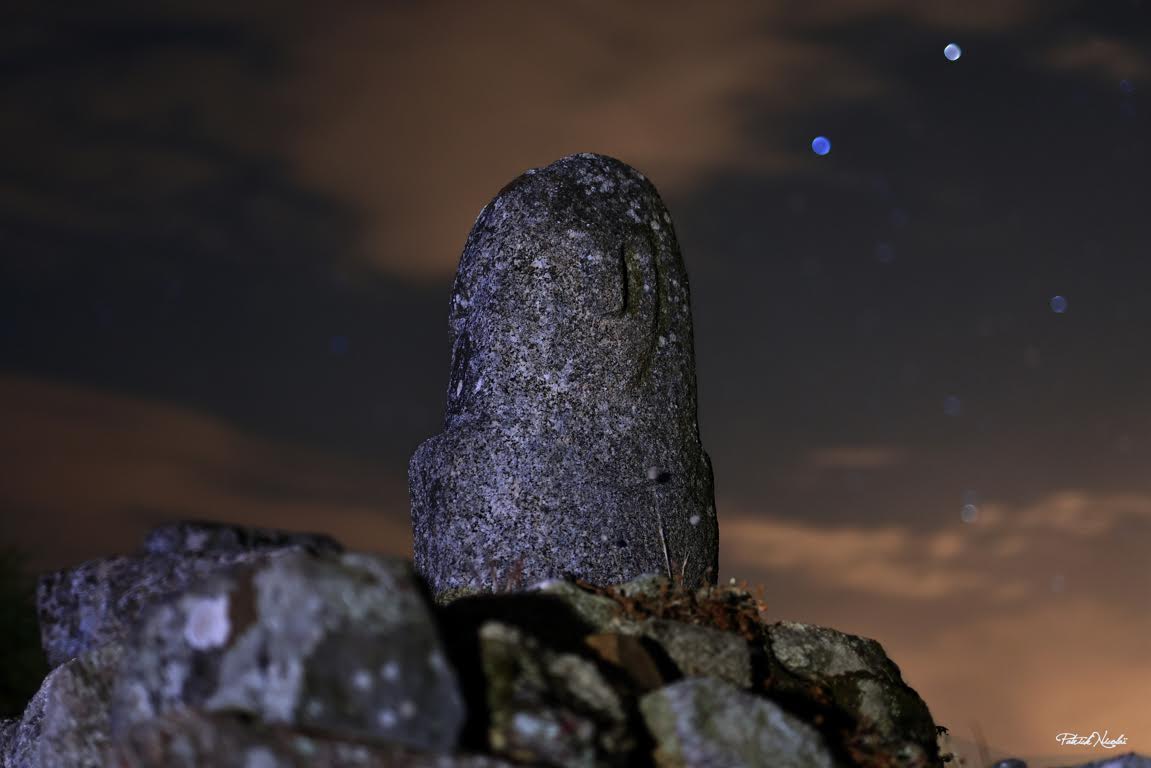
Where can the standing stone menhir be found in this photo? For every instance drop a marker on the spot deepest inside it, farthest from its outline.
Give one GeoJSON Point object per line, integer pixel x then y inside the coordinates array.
{"type": "Point", "coordinates": [570, 444]}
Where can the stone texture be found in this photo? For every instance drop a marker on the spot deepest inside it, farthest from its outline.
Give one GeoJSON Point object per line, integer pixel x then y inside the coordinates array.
{"type": "Point", "coordinates": [695, 650]}
{"type": "Point", "coordinates": [193, 740]}
{"type": "Point", "coordinates": [201, 536]}
{"type": "Point", "coordinates": [8, 729]}
{"type": "Point", "coordinates": [702, 651]}
{"type": "Point", "coordinates": [98, 601]}
{"type": "Point", "coordinates": [862, 682]}
{"type": "Point", "coordinates": [338, 644]}
{"type": "Point", "coordinates": [66, 722]}
{"type": "Point", "coordinates": [547, 707]}
{"type": "Point", "coordinates": [707, 723]}
{"type": "Point", "coordinates": [597, 611]}
{"type": "Point", "coordinates": [570, 443]}
{"type": "Point", "coordinates": [309, 657]}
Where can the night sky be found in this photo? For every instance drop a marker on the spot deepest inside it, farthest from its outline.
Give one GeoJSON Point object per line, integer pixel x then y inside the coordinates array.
{"type": "Point", "coordinates": [228, 237]}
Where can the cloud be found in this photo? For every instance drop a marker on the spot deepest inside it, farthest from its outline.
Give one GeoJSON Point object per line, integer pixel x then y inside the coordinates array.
{"type": "Point", "coordinates": [105, 467]}
{"type": "Point", "coordinates": [1042, 669]}
{"type": "Point", "coordinates": [413, 115]}
{"type": "Point", "coordinates": [1022, 620]}
{"type": "Point", "coordinates": [1103, 57]}
{"type": "Point", "coordinates": [1075, 513]}
{"type": "Point", "coordinates": [982, 15]}
{"type": "Point", "coordinates": [856, 457]}
{"type": "Point", "coordinates": [994, 556]}
{"type": "Point", "coordinates": [890, 561]}
{"type": "Point", "coordinates": [416, 114]}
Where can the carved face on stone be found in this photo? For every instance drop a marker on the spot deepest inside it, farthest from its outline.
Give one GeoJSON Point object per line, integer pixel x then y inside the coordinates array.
{"type": "Point", "coordinates": [571, 298]}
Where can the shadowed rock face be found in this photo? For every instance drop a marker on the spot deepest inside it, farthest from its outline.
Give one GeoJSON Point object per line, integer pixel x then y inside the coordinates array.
{"type": "Point", "coordinates": [95, 603]}
{"type": "Point", "coordinates": [342, 643]}
{"type": "Point", "coordinates": [570, 443]}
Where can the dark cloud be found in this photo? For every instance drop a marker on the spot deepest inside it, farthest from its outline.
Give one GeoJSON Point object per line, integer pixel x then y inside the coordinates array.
{"type": "Point", "coordinates": [87, 472]}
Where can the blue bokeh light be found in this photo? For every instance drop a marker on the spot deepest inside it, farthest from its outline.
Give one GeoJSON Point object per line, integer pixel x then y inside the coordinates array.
{"type": "Point", "coordinates": [338, 345]}
{"type": "Point", "coordinates": [1058, 305]}
{"type": "Point", "coordinates": [952, 51]}
{"type": "Point", "coordinates": [1126, 86]}
{"type": "Point", "coordinates": [952, 405]}
{"type": "Point", "coordinates": [821, 145]}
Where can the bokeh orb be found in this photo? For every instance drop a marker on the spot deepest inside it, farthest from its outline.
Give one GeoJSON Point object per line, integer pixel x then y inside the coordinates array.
{"type": "Point", "coordinates": [952, 51]}
{"type": "Point", "coordinates": [821, 145]}
{"type": "Point", "coordinates": [1058, 305]}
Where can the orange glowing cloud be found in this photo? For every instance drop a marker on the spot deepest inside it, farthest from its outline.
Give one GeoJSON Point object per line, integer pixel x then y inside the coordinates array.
{"type": "Point", "coordinates": [1026, 620]}
{"type": "Point", "coordinates": [105, 467]}
{"type": "Point", "coordinates": [416, 114]}
{"type": "Point", "coordinates": [1075, 665]}
{"type": "Point", "coordinates": [985, 556]}
{"type": "Point", "coordinates": [856, 457]}
{"type": "Point", "coordinates": [1103, 57]}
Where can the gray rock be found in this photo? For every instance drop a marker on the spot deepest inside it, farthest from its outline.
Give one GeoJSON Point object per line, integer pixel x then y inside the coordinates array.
{"type": "Point", "coordinates": [861, 681]}
{"type": "Point", "coordinates": [570, 443]}
{"type": "Point", "coordinates": [599, 612]}
{"type": "Point", "coordinates": [66, 722]}
{"type": "Point", "coordinates": [702, 651]}
{"type": "Point", "coordinates": [547, 707]}
{"type": "Point", "coordinates": [695, 650]}
{"type": "Point", "coordinates": [200, 536]}
{"type": "Point", "coordinates": [707, 723]}
{"type": "Point", "coordinates": [98, 601]}
{"type": "Point", "coordinates": [8, 730]}
{"type": "Point", "coordinates": [192, 740]}
{"type": "Point", "coordinates": [338, 644]}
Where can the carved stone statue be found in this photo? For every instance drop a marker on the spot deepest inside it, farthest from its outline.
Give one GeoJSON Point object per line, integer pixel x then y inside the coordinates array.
{"type": "Point", "coordinates": [570, 443]}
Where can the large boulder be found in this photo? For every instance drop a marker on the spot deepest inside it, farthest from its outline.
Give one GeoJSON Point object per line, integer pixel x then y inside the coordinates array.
{"type": "Point", "coordinates": [337, 644]}
{"type": "Point", "coordinates": [97, 602]}
{"type": "Point", "coordinates": [547, 707]}
{"type": "Point", "coordinates": [570, 443]}
{"type": "Point", "coordinates": [699, 651]}
{"type": "Point", "coordinates": [811, 664]}
{"type": "Point", "coordinates": [202, 536]}
{"type": "Point", "coordinates": [650, 607]}
{"type": "Point", "coordinates": [843, 685]}
{"type": "Point", "coordinates": [707, 723]}
{"type": "Point", "coordinates": [330, 659]}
